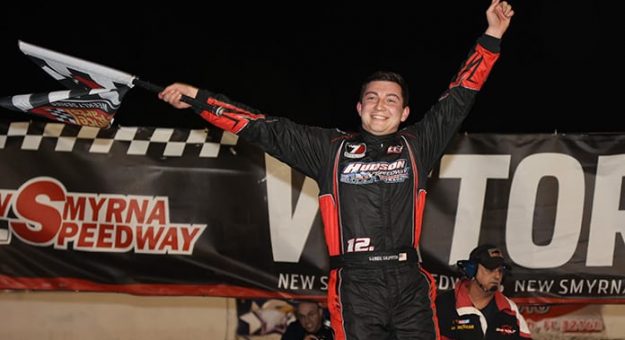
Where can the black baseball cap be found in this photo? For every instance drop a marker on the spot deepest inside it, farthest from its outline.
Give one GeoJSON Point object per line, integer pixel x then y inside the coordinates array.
{"type": "Point", "coordinates": [489, 256]}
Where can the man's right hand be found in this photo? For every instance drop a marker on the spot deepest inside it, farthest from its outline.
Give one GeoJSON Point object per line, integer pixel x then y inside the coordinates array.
{"type": "Point", "coordinates": [173, 93]}
{"type": "Point", "coordinates": [498, 16]}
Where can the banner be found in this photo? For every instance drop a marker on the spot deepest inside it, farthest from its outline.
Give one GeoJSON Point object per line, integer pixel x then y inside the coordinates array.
{"type": "Point", "coordinates": [198, 212]}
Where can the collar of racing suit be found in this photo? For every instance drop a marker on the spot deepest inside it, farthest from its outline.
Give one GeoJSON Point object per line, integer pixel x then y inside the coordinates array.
{"type": "Point", "coordinates": [371, 138]}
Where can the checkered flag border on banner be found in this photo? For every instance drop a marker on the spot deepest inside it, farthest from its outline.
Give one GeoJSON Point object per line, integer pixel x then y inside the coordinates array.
{"type": "Point", "coordinates": [137, 141]}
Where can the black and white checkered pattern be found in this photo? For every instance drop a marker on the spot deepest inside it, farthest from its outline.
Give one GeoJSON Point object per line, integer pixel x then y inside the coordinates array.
{"type": "Point", "coordinates": [135, 140]}
{"type": "Point", "coordinates": [62, 116]}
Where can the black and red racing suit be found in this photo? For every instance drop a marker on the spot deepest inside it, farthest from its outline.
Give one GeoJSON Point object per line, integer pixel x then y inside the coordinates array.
{"type": "Point", "coordinates": [372, 196]}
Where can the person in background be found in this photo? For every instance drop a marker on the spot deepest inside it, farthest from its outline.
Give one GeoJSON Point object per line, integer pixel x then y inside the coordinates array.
{"type": "Point", "coordinates": [372, 183]}
{"type": "Point", "coordinates": [476, 308]}
{"type": "Point", "coordinates": [310, 324]}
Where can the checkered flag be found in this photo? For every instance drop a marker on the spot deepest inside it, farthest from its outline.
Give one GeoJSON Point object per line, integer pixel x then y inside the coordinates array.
{"type": "Point", "coordinates": [78, 107]}
{"type": "Point", "coordinates": [95, 91]}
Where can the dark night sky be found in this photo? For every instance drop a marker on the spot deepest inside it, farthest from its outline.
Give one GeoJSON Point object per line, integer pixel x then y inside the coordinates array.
{"type": "Point", "coordinates": [561, 67]}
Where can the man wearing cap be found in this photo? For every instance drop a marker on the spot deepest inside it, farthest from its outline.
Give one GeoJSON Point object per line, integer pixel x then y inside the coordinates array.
{"type": "Point", "coordinates": [476, 308]}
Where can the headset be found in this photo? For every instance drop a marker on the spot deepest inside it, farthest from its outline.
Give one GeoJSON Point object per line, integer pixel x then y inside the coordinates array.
{"type": "Point", "coordinates": [468, 268]}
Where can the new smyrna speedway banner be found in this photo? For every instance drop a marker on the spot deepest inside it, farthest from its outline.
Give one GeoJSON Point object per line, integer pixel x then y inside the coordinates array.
{"type": "Point", "coordinates": [198, 212]}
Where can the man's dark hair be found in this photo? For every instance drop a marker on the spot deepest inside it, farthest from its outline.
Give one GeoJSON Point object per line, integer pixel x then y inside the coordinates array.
{"type": "Point", "coordinates": [387, 76]}
{"type": "Point", "coordinates": [296, 303]}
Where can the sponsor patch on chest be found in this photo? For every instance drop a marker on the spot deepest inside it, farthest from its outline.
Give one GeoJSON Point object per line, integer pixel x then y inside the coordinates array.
{"type": "Point", "coordinates": [355, 150]}
{"type": "Point", "coordinates": [505, 329]}
{"type": "Point", "coordinates": [394, 149]}
{"type": "Point", "coordinates": [462, 325]}
{"type": "Point", "coordinates": [372, 172]}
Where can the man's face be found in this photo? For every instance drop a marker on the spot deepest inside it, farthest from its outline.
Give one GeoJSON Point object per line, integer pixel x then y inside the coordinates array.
{"type": "Point", "coordinates": [381, 108]}
{"type": "Point", "coordinates": [309, 315]}
{"type": "Point", "coordinates": [490, 277]}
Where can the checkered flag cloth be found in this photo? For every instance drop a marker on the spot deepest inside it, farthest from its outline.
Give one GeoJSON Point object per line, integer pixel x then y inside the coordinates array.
{"type": "Point", "coordinates": [78, 107]}
{"type": "Point", "coordinates": [95, 91]}
{"type": "Point", "coordinates": [62, 116]}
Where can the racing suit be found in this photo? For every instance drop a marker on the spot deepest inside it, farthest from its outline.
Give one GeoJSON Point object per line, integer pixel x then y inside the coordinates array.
{"type": "Point", "coordinates": [372, 196]}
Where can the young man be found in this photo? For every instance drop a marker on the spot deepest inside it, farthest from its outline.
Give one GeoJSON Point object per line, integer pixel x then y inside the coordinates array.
{"type": "Point", "coordinates": [309, 324]}
{"type": "Point", "coordinates": [476, 308]}
{"type": "Point", "coordinates": [372, 187]}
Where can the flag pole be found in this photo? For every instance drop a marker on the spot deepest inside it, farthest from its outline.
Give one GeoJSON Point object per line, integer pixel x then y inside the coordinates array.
{"type": "Point", "coordinates": [191, 101]}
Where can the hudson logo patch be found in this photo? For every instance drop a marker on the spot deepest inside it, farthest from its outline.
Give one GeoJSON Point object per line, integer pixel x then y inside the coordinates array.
{"type": "Point", "coordinates": [372, 172]}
